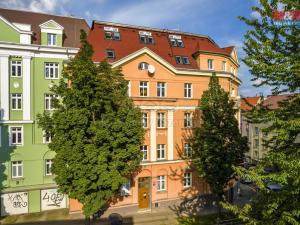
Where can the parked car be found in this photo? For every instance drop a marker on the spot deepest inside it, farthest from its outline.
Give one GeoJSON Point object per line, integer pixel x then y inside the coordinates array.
{"type": "Point", "coordinates": [274, 187]}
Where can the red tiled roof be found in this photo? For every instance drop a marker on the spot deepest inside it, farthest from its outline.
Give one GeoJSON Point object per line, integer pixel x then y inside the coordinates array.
{"type": "Point", "coordinates": [273, 102]}
{"type": "Point", "coordinates": [72, 25]}
{"type": "Point", "coordinates": [130, 43]}
{"type": "Point", "coordinates": [249, 102]}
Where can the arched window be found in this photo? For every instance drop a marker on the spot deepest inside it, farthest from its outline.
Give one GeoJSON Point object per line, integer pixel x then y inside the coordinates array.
{"type": "Point", "coordinates": [143, 66]}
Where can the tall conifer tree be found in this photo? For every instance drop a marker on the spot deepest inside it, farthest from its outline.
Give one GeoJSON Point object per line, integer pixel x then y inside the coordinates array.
{"type": "Point", "coordinates": [217, 143]}
{"type": "Point", "coordinates": [96, 131]}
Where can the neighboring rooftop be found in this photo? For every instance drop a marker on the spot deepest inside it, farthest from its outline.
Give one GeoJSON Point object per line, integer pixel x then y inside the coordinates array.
{"type": "Point", "coordinates": [72, 25]}
{"type": "Point", "coordinates": [273, 102]}
{"type": "Point", "coordinates": [130, 43]}
{"type": "Point", "coordinates": [249, 102]}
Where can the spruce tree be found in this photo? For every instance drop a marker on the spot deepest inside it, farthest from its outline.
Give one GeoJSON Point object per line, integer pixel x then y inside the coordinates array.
{"type": "Point", "coordinates": [217, 143]}
{"type": "Point", "coordinates": [273, 56]}
{"type": "Point", "coordinates": [96, 131]}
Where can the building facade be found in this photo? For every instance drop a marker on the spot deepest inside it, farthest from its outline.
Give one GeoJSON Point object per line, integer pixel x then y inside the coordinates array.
{"type": "Point", "coordinates": [167, 73]}
{"type": "Point", "coordinates": [33, 50]}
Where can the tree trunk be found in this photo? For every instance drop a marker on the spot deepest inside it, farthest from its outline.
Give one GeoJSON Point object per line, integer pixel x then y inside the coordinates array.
{"type": "Point", "coordinates": [87, 220]}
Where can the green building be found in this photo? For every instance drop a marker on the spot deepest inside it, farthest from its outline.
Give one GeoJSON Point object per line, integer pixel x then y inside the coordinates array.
{"type": "Point", "coordinates": [33, 50]}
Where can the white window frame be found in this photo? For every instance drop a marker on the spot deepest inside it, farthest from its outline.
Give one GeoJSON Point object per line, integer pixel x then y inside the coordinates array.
{"type": "Point", "coordinates": [125, 189]}
{"type": "Point", "coordinates": [188, 150]}
{"type": "Point", "coordinates": [161, 89]}
{"type": "Point", "coordinates": [161, 183]}
{"type": "Point", "coordinates": [51, 67]}
{"type": "Point", "coordinates": [144, 85]}
{"type": "Point", "coordinates": [48, 166]}
{"type": "Point", "coordinates": [18, 165]}
{"type": "Point", "coordinates": [161, 151]}
{"type": "Point", "coordinates": [188, 90]}
{"type": "Point", "coordinates": [145, 119]}
{"type": "Point", "coordinates": [147, 39]}
{"type": "Point", "coordinates": [161, 120]}
{"type": "Point", "coordinates": [51, 39]}
{"type": "Point", "coordinates": [143, 66]}
{"type": "Point", "coordinates": [16, 101]}
{"type": "Point", "coordinates": [144, 149]}
{"type": "Point", "coordinates": [187, 120]}
{"type": "Point", "coordinates": [224, 66]}
{"type": "Point", "coordinates": [16, 132]}
{"type": "Point", "coordinates": [47, 138]}
{"type": "Point", "coordinates": [48, 101]}
{"type": "Point", "coordinates": [187, 179]}
{"type": "Point", "coordinates": [18, 69]}
{"type": "Point", "coordinates": [210, 64]}
{"type": "Point", "coordinates": [113, 56]}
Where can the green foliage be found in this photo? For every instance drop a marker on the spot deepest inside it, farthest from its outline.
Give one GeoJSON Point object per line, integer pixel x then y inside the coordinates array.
{"type": "Point", "coordinates": [272, 52]}
{"type": "Point", "coordinates": [217, 143]}
{"type": "Point", "coordinates": [274, 59]}
{"type": "Point", "coordinates": [96, 131]}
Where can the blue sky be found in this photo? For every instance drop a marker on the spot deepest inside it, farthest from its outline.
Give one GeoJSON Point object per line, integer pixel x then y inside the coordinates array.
{"type": "Point", "coordinates": [215, 18]}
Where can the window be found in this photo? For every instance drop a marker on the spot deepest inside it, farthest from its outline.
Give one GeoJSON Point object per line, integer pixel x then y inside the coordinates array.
{"type": "Point", "coordinates": [51, 70]}
{"type": "Point", "coordinates": [16, 68]}
{"type": "Point", "coordinates": [48, 166]}
{"type": "Point", "coordinates": [176, 42]}
{"type": "Point", "coordinates": [144, 150]}
{"type": "Point", "coordinates": [187, 120]}
{"type": "Point", "coordinates": [143, 66]}
{"type": "Point", "coordinates": [224, 66]}
{"type": "Point", "coordinates": [52, 39]}
{"type": "Point", "coordinates": [256, 130]}
{"type": "Point", "coordinates": [125, 189]}
{"type": "Point", "coordinates": [256, 143]}
{"type": "Point", "coordinates": [210, 65]}
{"type": "Point", "coordinates": [161, 183]}
{"type": "Point", "coordinates": [17, 169]}
{"type": "Point", "coordinates": [16, 101]}
{"type": "Point", "coordinates": [161, 150]}
{"type": "Point", "coordinates": [187, 150]}
{"type": "Point", "coordinates": [187, 180]}
{"type": "Point", "coordinates": [182, 60]}
{"type": "Point", "coordinates": [143, 88]}
{"type": "Point", "coordinates": [161, 120]}
{"type": "Point", "coordinates": [47, 137]}
{"type": "Point", "coordinates": [112, 35]}
{"type": "Point", "coordinates": [110, 54]}
{"type": "Point", "coordinates": [161, 89]}
{"type": "Point", "coordinates": [49, 101]}
{"type": "Point", "coordinates": [146, 37]}
{"type": "Point", "coordinates": [145, 120]}
{"type": "Point", "coordinates": [187, 90]}
{"type": "Point", "coordinates": [16, 135]}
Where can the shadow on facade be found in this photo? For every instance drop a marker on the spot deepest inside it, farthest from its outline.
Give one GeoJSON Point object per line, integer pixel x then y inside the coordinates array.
{"type": "Point", "coordinates": [5, 164]}
{"type": "Point", "coordinates": [102, 221]}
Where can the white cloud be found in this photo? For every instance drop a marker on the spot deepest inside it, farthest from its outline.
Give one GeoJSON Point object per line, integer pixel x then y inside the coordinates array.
{"type": "Point", "coordinates": [47, 6]}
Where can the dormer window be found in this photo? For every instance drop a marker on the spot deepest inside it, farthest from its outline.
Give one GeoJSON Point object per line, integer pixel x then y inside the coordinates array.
{"type": "Point", "coordinates": [175, 41]}
{"type": "Point", "coordinates": [146, 37]}
{"type": "Point", "coordinates": [52, 39]}
{"type": "Point", "coordinates": [112, 33]}
{"type": "Point", "coordinates": [110, 53]}
{"type": "Point", "coordinates": [182, 60]}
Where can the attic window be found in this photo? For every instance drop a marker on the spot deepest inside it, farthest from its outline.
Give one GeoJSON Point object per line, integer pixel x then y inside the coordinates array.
{"type": "Point", "coordinates": [112, 33]}
{"type": "Point", "coordinates": [110, 53]}
{"type": "Point", "coordinates": [175, 41]}
{"type": "Point", "coordinates": [146, 37]}
{"type": "Point", "coordinates": [143, 66]}
{"type": "Point", "coordinates": [182, 60]}
{"type": "Point", "coordinates": [52, 39]}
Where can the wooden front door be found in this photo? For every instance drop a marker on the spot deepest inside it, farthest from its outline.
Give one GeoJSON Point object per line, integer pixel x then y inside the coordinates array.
{"type": "Point", "coordinates": [144, 192]}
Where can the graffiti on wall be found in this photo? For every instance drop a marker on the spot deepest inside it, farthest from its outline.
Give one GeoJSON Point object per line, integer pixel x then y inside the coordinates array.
{"type": "Point", "coordinates": [51, 199]}
{"type": "Point", "coordinates": [14, 203]}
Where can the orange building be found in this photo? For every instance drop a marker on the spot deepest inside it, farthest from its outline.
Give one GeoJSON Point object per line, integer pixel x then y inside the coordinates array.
{"type": "Point", "coordinates": [167, 73]}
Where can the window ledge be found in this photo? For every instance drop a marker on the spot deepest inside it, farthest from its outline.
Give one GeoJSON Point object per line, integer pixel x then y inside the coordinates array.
{"type": "Point", "coordinates": [17, 178]}
{"type": "Point", "coordinates": [161, 191]}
